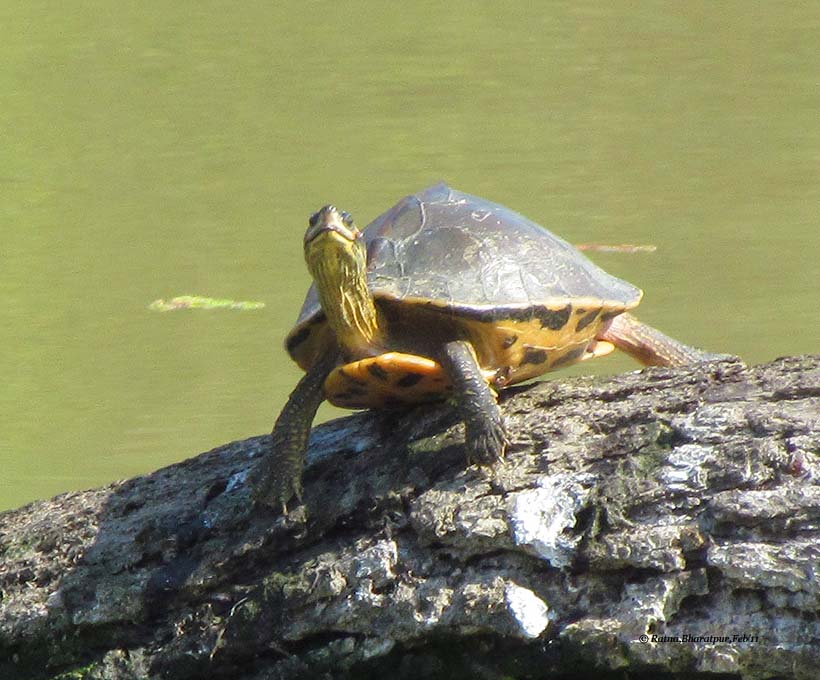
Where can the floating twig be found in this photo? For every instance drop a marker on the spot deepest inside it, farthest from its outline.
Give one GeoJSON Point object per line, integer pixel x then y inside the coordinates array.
{"type": "Point", "coordinates": [617, 248]}
{"type": "Point", "coordinates": [200, 302]}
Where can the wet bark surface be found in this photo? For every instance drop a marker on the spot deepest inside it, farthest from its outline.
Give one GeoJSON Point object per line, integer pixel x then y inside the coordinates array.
{"type": "Point", "coordinates": [631, 512]}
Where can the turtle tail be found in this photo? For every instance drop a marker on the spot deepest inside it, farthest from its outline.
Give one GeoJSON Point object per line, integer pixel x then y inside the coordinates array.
{"type": "Point", "coordinates": [651, 347]}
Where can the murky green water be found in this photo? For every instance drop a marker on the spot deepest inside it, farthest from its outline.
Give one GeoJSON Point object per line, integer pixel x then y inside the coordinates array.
{"type": "Point", "coordinates": [157, 149]}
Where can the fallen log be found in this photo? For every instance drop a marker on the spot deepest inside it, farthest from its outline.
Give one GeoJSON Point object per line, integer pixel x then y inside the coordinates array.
{"type": "Point", "coordinates": [663, 522]}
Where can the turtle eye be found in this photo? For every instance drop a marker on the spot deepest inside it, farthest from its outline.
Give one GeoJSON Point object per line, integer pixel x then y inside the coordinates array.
{"type": "Point", "coordinates": [314, 219]}
{"type": "Point", "coordinates": [347, 219]}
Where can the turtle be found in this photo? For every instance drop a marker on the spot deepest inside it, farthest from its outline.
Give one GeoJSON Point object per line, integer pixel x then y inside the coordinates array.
{"type": "Point", "coordinates": [445, 295]}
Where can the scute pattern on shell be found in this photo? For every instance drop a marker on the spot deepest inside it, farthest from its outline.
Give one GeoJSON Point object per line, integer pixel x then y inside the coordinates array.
{"type": "Point", "coordinates": [474, 255]}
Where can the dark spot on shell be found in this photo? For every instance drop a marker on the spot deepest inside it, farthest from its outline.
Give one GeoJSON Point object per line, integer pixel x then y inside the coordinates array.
{"type": "Point", "coordinates": [509, 341]}
{"type": "Point", "coordinates": [409, 380]}
{"type": "Point", "coordinates": [534, 355]}
{"type": "Point", "coordinates": [350, 379]}
{"type": "Point", "coordinates": [569, 357]}
{"type": "Point", "coordinates": [377, 372]}
{"type": "Point", "coordinates": [297, 339]}
{"type": "Point", "coordinates": [580, 311]}
{"type": "Point", "coordinates": [355, 391]}
{"type": "Point", "coordinates": [584, 321]}
{"type": "Point", "coordinates": [553, 319]}
{"type": "Point", "coordinates": [347, 402]}
{"type": "Point", "coordinates": [606, 316]}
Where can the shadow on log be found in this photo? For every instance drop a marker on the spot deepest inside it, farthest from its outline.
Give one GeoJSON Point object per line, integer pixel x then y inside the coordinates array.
{"type": "Point", "coordinates": [631, 512]}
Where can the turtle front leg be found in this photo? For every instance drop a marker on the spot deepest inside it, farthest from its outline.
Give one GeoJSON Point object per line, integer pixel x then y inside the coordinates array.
{"type": "Point", "coordinates": [278, 476]}
{"type": "Point", "coordinates": [485, 435]}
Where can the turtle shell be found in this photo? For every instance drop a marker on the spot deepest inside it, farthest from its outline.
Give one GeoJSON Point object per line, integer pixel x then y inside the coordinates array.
{"type": "Point", "coordinates": [528, 300]}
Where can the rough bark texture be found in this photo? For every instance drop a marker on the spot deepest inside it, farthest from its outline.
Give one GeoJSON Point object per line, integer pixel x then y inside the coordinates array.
{"type": "Point", "coordinates": [661, 503]}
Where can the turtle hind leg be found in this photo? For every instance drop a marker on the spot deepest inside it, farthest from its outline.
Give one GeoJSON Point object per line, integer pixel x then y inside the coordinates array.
{"type": "Point", "coordinates": [651, 347]}
{"type": "Point", "coordinates": [278, 476]}
{"type": "Point", "coordinates": [486, 438]}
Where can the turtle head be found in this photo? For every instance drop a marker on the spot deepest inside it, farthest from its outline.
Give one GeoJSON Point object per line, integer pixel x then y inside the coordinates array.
{"type": "Point", "coordinates": [334, 249]}
{"type": "Point", "coordinates": [336, 257]}
{"type": "Point", "coordinates": [328, 221]}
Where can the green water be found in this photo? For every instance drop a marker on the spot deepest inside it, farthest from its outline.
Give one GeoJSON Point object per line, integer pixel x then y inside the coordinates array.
{"type": "Point", "coordinates": [155, 149]}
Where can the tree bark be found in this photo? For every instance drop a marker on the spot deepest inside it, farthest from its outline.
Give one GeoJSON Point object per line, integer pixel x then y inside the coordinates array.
{"type": "Point", "coordinates": [630, 513]}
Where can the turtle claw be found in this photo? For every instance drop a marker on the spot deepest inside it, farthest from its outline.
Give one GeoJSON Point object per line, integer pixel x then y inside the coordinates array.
{"type": "Point", "coordinates": [293, 492]}
{"type": "Point", "coordinates": [486, 442]}
{"type": "Point", "coordinates": [276, 489]}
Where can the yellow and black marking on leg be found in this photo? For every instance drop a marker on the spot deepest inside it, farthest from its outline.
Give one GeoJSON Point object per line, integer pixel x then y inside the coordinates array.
{"type": "Point", "coordinates": [651, 347]}
{"type": "Point", "coordinates": [389, 380]}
